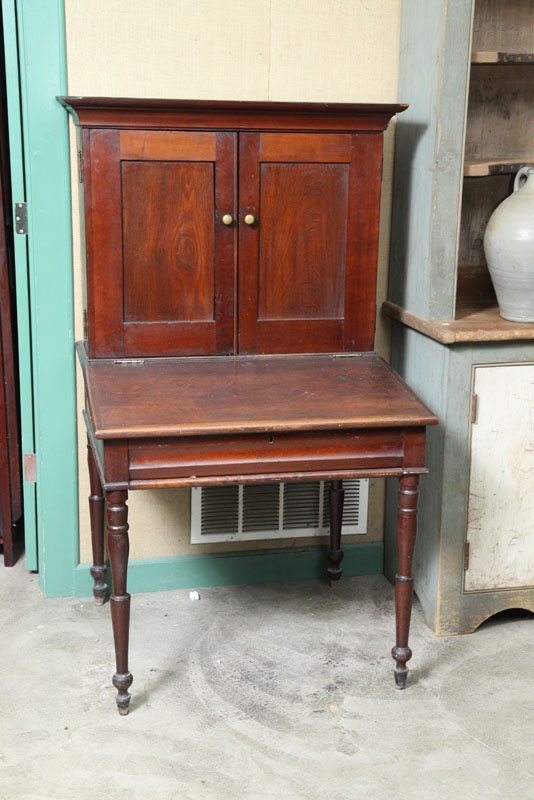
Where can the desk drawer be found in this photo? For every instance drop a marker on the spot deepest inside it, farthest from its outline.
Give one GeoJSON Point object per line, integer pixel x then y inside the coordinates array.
{"type": "Point", "coordinates": [249, 454]}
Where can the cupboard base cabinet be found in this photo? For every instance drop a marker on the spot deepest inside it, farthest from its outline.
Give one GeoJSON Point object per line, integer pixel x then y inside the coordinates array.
{"type": "Point", "coordinates": [477, 555]}
{"type": "Point", "coordinates": [231, 254]}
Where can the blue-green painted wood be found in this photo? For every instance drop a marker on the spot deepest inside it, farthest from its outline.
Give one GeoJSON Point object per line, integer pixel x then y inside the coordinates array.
{"type": "Point", "coordinates": [433, 79]}
{"type": "Point", "coordinates": [225, 569]}
{"type": "Point", "coordinates": [21, 276]}
{"type": "Point", "coordinates": [442, 375]}
{"type": "Point", "coordinates": [41, 37]}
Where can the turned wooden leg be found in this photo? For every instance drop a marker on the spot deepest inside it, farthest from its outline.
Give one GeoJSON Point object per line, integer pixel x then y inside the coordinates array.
{"type": "Point", "coordinates": [335, 553]}
{"type": "Point", "coordinates": [118, 546]}
{"type": "Point", "coordinates": [96, 510]}
{"type": "Point", "coordinates": [406, 533]}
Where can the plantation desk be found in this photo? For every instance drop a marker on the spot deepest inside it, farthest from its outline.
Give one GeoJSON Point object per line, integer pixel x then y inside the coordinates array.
{"type": "Point", "coordinates": [231, 253]}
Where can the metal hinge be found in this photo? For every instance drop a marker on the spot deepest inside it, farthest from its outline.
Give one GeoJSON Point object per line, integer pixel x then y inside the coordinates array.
{"type": "Point", "coordinates": [80, 166]}
{"type": "Point", "coordinates": [85, 324]}
{"type": "Point", "coordinates": [130, 362]}
{"type": "Point", "coordinates": [21, 218]}
{"type": "Point", "coordinates": [474, 407]}
{"type": "Point", "coordinates": [466, 556]}
{"type": "Point", "coordinates": [30, 468]}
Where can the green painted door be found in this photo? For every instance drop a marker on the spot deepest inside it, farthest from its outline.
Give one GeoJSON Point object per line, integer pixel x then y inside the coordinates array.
{"type": "Point", "coordinates": [36, 73]}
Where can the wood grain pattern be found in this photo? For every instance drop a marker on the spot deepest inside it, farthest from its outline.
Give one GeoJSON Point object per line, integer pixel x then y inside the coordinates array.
{"type": "Point", "coordinates": [303, 241]}
{"type": "Point", "coordinates": [168, 235]}
{"type": "Point", "coordinates": [500, 101]}
{"type": "Point", "coordinates": [496, 57]}
{"type": "Point", "coordinates": [480, 199]}
{"type": "Point", "coordinates": [481, 167]}
{"type": "Point", "coordinates": [160, 262]}
{"type": "Point", "coordinates": [182, 396]}
{"type": "Point", "coordinates": [473, 324]}
{"type": "Point", "coordinates": [270, 477]}
{"type": "Point", "coordinates": [230, 115]}
{"type": "Point", "coordinates": [505, 26]}
{"type": "Point", "coordinates": [167, 146]}
{"type": "Point", "coordinates": [362, 242]}
{"type": "Point", "coordinates": [104, 252]}
{"type": "Point", "coordinates": [253, 453]}
{"type": "Point", "coordinates": [287, 147]}
{"type": "Point", "coordinates": [312, 253]}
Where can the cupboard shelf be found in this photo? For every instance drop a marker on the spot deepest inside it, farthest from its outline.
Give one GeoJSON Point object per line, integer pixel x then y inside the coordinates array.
{"type": "Point", "coordinates": [473, 323]}
{"type": "Point", "coordinates": [497, 57]}
{"type": "Point", "coordinates": [482, 167]}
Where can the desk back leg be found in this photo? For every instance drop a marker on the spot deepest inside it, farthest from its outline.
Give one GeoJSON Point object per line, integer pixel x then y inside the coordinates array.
{"type": "Point", "coordinates": [406, 533]}
{"type": "Point", "coordinates": [119, 546]}
{"type": "Point", "coordinates": [335, 553]}
{"type": "Point", "coordinates": [96, 511]}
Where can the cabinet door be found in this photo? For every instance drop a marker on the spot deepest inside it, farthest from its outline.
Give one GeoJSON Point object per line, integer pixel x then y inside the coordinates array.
{"type": "Point", "coordinates": [501, 500]}
{"type": "Point", "coordinates": [307, 264]}
{"type": "Point", "coordinates": [160, 271]}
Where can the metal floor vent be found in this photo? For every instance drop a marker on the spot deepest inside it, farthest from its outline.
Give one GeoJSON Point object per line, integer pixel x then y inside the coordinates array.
{"type": "Point", "coordinates": [273, 511]}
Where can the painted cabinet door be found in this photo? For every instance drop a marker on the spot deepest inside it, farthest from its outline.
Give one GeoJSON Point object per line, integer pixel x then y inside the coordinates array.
{"type": "Point", "coordinates": [308, 239]}
{"type": "Point", "coordinates": [500, 528]}
{"type": "Point", "coordinates": [160, 260]}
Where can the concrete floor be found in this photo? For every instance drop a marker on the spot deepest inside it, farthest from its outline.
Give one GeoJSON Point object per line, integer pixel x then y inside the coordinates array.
{"type": "Point", "coordinates": [281, 691]}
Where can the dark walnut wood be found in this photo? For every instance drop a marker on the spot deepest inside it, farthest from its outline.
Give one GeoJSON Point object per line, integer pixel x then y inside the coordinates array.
{"type": "Point", "coordinates": [231, 253]}
{"type": "Point", "coordinates": [184, 396]}
{"type": "Point", "coordinates": [335, 553]}
{"type": "Point", "coordinates": [96, 511]}
{"type": "Point", "coordinates": [406, 533]}
{"type": "Point", "coordinates": [10, 450]}
{"type": "Point", "coordinates": [118, 546]}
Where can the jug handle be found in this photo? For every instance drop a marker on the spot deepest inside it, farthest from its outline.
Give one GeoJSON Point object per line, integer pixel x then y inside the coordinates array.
{"type": "Point", "coordinates": [522, 173]}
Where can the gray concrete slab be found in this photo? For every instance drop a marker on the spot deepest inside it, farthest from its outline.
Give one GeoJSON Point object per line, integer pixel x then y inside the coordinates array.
{"type": "Point", "coordinates": [281, 691]}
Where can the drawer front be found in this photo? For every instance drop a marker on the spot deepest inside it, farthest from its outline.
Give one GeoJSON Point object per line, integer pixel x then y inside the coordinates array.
{"type": "Point", "coordinates": [250, 454]}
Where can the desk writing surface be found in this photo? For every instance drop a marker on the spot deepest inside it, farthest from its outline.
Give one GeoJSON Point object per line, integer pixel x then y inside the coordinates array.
{"type": "Point", "coordinates": [189, 396]}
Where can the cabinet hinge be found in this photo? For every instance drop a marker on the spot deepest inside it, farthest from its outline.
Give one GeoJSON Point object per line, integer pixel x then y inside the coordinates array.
{"type": "Point", "coordinates": [466, 556]}
{"type": "Point", "coordinates": [474, 407]}
{"type": "Point", "coordinates": [85, 324]}
{"type": "Point", "coordinates": [21, 218]}
{"type": "Point", "coordinates": [30, 468]}
{"type": "Point", "coordinates": [80, 166]}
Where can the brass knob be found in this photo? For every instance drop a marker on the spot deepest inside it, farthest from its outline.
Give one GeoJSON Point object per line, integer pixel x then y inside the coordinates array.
{"type": "Point", "coordinates": [227, 219]}
{"type": "Point", "coordinates": [250, 219]}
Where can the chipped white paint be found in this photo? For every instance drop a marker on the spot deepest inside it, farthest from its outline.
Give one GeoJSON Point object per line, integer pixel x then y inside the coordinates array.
{"type": "Point", "coordinates": [500, 528]}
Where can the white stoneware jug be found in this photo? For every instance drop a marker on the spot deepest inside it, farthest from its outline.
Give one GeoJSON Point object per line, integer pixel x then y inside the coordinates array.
{"type": "Point", "coordinates": [509, 249]}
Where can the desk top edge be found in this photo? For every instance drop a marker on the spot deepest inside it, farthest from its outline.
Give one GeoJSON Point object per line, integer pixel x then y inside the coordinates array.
{"type": "Point", "coordinates": [414, 414]}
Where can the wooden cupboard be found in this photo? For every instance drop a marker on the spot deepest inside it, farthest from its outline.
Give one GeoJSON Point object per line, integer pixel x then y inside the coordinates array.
{"type": "Point", "coordinates": [177, 216]}
{"type": "Point", "coordinates": [231, 255]}
{"type": "Point", "coordinates": [468, 129]}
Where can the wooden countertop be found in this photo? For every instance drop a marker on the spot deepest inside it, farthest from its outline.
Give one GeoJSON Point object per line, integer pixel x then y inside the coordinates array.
{"type": "Point", "coordinates": [233, 394]}
{"type": "Point", "coordinates": [473, 324]}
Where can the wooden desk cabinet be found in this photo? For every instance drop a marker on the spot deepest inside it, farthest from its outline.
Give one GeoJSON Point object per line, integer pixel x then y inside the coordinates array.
{"type": "Point", "coordinates": [231, 254]}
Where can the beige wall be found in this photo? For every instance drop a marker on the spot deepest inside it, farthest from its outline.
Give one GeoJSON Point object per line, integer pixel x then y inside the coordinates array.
{"type": "Point", "coordinates": [315, 50]}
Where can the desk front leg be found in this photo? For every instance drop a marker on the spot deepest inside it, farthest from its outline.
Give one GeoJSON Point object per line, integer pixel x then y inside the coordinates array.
{"type": "Point", "coordinates": [96, 511]}
{"type": "Point", "coordinates": [118, 546]}
{"type": "Point", "coordinates": [406, 533]}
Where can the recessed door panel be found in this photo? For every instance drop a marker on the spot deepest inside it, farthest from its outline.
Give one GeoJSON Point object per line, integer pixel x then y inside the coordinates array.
{"type": "Point", "coordinates": [303, 241]}
{"type": "Point", "coordinates": [308, 241]}
{"type": "Point", "coordinates": [501, 500]}
{"type": "Point", "coordinates": [168, 231]}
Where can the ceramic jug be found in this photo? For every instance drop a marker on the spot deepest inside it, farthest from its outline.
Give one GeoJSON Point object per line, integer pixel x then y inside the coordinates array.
{"type": "Point", "coordinates": [509, 249]}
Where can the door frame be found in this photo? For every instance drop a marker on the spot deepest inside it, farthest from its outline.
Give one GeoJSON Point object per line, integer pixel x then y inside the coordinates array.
{"type": "Point", "coordinates": [40, 167]}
